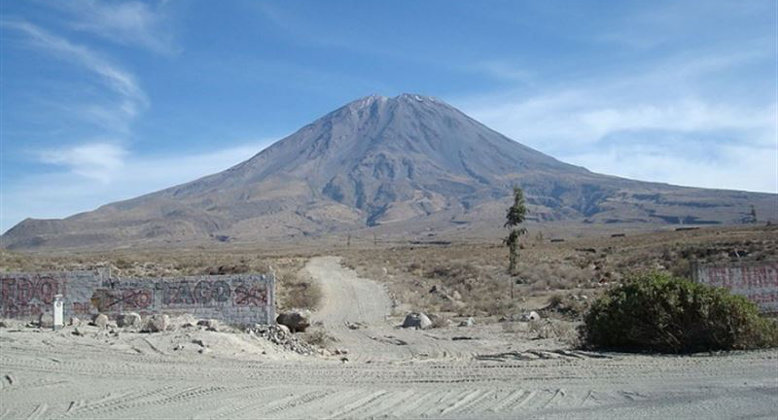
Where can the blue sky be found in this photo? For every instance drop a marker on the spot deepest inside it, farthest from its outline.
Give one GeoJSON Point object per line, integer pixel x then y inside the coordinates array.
{"type": "Point", "coordinates": [103, 101]}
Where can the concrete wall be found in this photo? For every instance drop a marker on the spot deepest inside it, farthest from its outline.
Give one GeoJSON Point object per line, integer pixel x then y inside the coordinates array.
{"type": "Point", "coordinates": [756, 281]}
{"type": "Point", "coordinates": [238, 299]}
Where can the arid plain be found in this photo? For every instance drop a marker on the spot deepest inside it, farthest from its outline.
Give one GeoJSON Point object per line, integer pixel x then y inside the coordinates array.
{"type": "Point", "coordinates": [355, 361]}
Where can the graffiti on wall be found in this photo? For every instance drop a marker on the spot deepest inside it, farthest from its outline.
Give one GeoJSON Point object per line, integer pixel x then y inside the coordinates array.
{"type": "Point", "coordinates": [30, 294]}
{"type": "Point", "coordinates": [239, 298]}
{"type": "Point", "coordinates": [756, 281]}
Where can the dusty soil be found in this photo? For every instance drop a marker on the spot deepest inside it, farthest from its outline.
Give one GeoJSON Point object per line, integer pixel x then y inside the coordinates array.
{"type": "Point", "coordinates": [387, 372]}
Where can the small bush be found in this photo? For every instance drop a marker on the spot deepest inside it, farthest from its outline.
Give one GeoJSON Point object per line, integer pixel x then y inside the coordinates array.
{"type": "Point", "coordinates": [296, 291]}
{"type": "Point", "coordinates": [318, 337]}
{"type": "Point", "coordinates": [657, 312]}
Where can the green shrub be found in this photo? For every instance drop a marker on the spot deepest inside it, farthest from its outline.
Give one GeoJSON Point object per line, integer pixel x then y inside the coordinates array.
{"type": "Point", "coordinates": [667, 314]}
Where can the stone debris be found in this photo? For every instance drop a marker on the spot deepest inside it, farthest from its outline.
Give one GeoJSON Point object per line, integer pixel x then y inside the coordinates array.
{"type": "Point", "coordinates": [209, 324]}
{"type": "Point", "coordinates": [74, 321]}
{"type": "Point", "coordinates": [418, 320]}
{"type": "Point", "coordinates": [469, 322]}
{"type": "Point", "coordinates": [46, 320]}
{"type": "Point", "coordinates": [156, 323]}
{"type": "Point", "coordinates": [297, 320]}
{"type": "Point", "coordinates": [280, 335]}
{"type": "Point", "coordinates": [530, 316]}
{"type": "Point", "coordinates": [101, 321]}
{"type": "Point", "coordinates": [128, 320]}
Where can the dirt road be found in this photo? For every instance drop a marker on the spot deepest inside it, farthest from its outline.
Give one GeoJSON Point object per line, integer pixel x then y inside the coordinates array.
{"type": "Point", "coordinates": [60, 375]}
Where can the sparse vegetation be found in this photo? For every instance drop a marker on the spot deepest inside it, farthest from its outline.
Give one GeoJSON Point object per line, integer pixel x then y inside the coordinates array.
{"type": "Point", "coordinates": [579, 267]}
{"type": "Point", "coordinates": [296, 291]}
{"type": "Point", "coordinates": [661, 313]}
{"type": "Point", "coordinates": [515, 217]}
{"type": "Point", "coordinates": [318, 336]}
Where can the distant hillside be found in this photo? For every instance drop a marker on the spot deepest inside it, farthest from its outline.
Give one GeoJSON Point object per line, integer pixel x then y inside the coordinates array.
{"type": "Point", "coordinates": [406, 165]}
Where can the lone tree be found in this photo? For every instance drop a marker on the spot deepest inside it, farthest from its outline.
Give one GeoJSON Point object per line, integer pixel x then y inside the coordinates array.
{"type": "Point", "coordinates": [515, 216]}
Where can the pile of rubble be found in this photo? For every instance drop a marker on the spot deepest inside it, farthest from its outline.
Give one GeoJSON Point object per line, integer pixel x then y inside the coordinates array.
{"type": "Point", "coordinates": [280, 335]}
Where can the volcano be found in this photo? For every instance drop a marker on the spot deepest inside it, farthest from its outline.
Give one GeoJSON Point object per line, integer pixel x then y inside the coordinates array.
{"type": "Point", "coordinates": [404, 166]}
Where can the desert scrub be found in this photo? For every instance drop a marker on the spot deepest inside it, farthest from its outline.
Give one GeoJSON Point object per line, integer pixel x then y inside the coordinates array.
{"type": "Point", "coordinates": [318, 337]}
{"type": "Point", "coordinates": [661, 313]}
{"type": "Point", "coordinates": [297, 291]}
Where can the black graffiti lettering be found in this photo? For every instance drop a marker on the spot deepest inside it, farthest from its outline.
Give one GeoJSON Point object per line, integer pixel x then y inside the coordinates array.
{"type": "Point", "coordinates": [203, 292]}
{"type": "Point", "coordinates": [167, 293]}
{"type": "Point", "coordinates": [184, 295]}
{"type": "Point", "coordinates": [221, 291]}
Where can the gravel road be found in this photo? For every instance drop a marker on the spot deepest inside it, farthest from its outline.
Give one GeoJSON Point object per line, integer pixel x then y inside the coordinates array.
{"type": "Point", "coordinates": [61, 375]}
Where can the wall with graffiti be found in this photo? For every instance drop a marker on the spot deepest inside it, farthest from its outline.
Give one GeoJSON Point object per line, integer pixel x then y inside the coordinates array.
{"type": "Point", "coordinates": [756, 281]}
{"type": "Point", "coordinates": [240, 299]}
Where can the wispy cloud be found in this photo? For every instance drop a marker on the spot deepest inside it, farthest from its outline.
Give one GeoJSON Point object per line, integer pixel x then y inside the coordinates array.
{"type": "Point", "coordinates": [667, 123]}
{"type": "Point", "coordinates": [502, 70]}
{"type": "Point", "coordinates": [98, 173]}
{"type": "Point", "coordinates": [130, 98]}
{"type": "Point", "coordinates": [97, 161]}
{"type": "Point", "coordinates": [127, 23]}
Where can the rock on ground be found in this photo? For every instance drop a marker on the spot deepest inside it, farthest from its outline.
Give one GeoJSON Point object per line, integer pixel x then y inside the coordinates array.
{"type": "Point", "coordinates": [129, 319]}
{"type": "Point", "coordinates": [418, 320]}
{"type": "Point", "coordinates": [209, 324]}
{"type": "Point", "coordinates": [469, 322]}
{"type": "Point", "coordinates": [296, 320]}
{"type": "Point", "coordinates": [46, 320]}
{"type": "Point", "coordinates": [531, 316]}
{"type": "Point", "coordinates": [157, 323]}
{"type": "Point", "coordinates": [101, 321]}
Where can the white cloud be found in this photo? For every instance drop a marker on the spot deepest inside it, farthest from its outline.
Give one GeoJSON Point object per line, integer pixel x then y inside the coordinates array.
{"type": "Point", "coordinates": [675, 126]}
{"type": "Point", "coordinates": [97, 161]}
{"type": "Point", "coordinates": [115, 174]}
{"type": "Point", "coordinates": [738, 168]}
{"type": "Point", "coordinates": [126, 23]}
{"type": "Point", "coordinates": [502, 70]}
{"type": "Point", "coordinates": [129, 99]}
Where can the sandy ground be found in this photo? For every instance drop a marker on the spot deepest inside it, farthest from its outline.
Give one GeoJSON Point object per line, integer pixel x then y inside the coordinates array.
{"type": "Point", "coordinates": [193, 373]}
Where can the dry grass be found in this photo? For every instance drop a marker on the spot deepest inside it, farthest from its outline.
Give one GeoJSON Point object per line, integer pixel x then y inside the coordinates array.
{"type": "Point", "coordinates": [318, 336]}
{"type": "Point", "coordinates": [470, 279]}
{"type": "Point", "coordinates": [297, 291]}
{"type": "Point", "coordinates": [426, 278]}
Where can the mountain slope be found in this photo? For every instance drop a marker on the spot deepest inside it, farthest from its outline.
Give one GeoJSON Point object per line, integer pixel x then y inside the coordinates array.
{"type": "Point", "coordinates": [375, 162]}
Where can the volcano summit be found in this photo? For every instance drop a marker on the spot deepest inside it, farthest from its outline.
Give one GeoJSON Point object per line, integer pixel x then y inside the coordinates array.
{"type": "Point", "coordinates": [400, 166]}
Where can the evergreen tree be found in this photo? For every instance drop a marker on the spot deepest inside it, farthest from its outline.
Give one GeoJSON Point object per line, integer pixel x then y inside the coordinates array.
{"type": "Point", "coordinates": [515, 216]}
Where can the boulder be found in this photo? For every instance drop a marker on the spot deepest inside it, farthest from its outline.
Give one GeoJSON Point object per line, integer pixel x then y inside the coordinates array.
{"type": "Point", "coordinates": [209, 324]}
{"type": "Point", "coordinates": [128, 320]}
{"type": "Point", "coordinates": [185, 321]}
{"type": "Point", "coordinates": [418, 320]}
{"type": "Point", "coordinates": [100, 321]}
{"type": "Point", "coordinates": [469, 322]}
{"type": "Point", "coordinates": [296, 320]}
{"type": "Point", "coordinates": [530, 316]}
{"type": "Point", "coordinates": [46, 320]}
{"type": "Point", "coordinates": [156, 323]}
